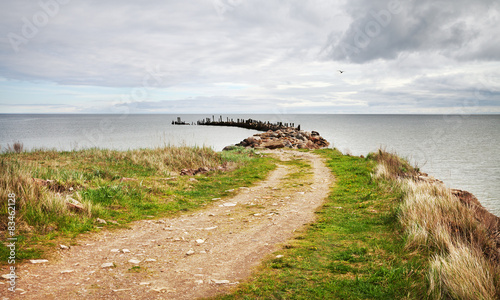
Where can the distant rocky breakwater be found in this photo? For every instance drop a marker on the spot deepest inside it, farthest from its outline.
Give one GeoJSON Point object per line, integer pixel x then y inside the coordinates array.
{"type": "Point", "coordinates": [292, 138]}
{"type": "Point", "coordinates": [276, 135]}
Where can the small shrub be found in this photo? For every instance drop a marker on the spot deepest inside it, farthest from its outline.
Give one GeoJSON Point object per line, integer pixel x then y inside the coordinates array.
{"type": "Point", "coordinates": [17, 147]}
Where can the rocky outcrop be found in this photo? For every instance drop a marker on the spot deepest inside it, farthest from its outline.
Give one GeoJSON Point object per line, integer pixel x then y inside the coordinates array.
{"type": "Point", "coordinates": [285, 138]}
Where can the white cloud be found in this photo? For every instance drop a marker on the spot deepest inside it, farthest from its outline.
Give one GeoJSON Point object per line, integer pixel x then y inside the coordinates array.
{"type": "Point", "coordinates": [248, 56]}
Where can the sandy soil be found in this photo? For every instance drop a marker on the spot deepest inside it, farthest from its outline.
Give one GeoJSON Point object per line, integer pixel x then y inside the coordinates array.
{"type": "Point", "coordinates": [195, 255]}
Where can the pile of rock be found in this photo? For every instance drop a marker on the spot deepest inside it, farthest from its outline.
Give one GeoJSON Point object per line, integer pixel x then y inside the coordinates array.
{"type": "Point", "coordinates": [285, 138]}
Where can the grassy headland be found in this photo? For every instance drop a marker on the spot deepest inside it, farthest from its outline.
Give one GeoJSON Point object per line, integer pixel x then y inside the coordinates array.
{"type": "Point", "coordinates": [384, 232]}
{"type": "Point", "coordinates": [115, 186]}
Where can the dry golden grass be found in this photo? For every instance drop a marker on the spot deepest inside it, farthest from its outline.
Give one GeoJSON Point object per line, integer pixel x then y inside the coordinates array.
{"type": "Point", "coordinates": [33, 200]}
{"type": "Point", "coordinates": [175, 158]}
{"type": "Point", "coordinates": [465, 261]}
{"type": "Point", "coordinates": [462, 273]}
{"type": "Point", "coordinates": [392, 166]}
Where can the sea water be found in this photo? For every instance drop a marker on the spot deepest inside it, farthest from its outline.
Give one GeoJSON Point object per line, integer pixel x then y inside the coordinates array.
{"type": "Point", "coordinates": [461, 150]}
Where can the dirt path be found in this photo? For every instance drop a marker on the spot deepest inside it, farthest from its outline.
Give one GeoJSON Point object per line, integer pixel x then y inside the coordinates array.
{"type": "Point", "coordinates": [194, 255]}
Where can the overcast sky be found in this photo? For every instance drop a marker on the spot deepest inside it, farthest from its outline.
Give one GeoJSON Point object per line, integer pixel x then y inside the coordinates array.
{"type": "Point", "coordinates": [244, 56]}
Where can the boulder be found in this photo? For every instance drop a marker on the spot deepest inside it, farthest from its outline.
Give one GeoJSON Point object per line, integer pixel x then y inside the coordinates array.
{"type": "Point", "coordinates": [274, 144]}
{"type": "Point", "coordinates": [230, 147]}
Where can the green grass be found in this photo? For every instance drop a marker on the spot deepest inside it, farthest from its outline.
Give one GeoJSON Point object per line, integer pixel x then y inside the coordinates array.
{"type": "Point", "coordinates": [354, 250]}
{"type": "Point", "coordinates": [93, 177]}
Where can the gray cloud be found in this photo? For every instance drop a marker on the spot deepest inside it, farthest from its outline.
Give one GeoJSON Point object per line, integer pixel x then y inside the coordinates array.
{"type": "Point", "coordinates": [248, 56]}
{"type": "Point", "coordinates": [463, 30]}
{"type": "Point", "coordinates": [112, 43]}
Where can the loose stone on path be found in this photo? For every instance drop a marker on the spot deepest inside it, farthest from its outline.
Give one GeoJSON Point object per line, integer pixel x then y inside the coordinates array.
{"type": "Point", "coordinates": [107, 265]}
{"type": "Point", "coordinates": [38, 261]}
{"type": "Point", "coordinates": [134, 261]}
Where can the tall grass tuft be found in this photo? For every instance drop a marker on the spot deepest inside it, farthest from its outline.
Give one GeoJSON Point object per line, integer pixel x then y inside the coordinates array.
{"type": "Point", "coordinates": [464, 264]}
{"type": "Point", "coordinates": [36, 205]}
{"type": "Point", "coordinates": [392, 165]}
{"type": "Point", "coordinates": [463, 273]}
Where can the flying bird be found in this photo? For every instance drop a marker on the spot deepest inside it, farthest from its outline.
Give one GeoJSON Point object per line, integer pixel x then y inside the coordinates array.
{"type": "Point", "coordinates": [341, 71]}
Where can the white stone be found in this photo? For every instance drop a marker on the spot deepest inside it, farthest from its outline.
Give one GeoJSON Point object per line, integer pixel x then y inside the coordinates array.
{"type": "Point", "coordinates": [115, 250]}
{"type": "Point", "coordinates": [200, 241]}
{"type": "Point", "coordinates": [107, 265]}
{"type": "Point", "coordinates": [9, 276]}
{"type": "Point", "coordinates": [190, 252]}
{"type": "Point", "coordinates": [145, 283]}
{"type": "Point", "coordinates": [64, 247]}
{"type": "Point", "coordinates": [279, 256]}
{"type": "Point", "coordinates": [211, 228]}
{"type": "Point", "coordinates": [216, 281]}
{"type": "Point", "coordinates": [101, 221]}
{"type": "Point", "coordinates": [125, 251]}
{"type": "Point", "coordinates": [150, 260]}
{"type": "Point", "coordinates": [38, 261]}
{"type": "Point", "coordinates": [67, 271]}
{"type": "Point", "coordinates": [229, 204]}
{"type": "Point", "coordinates": [199, 281]}
{"type": "Point", "coordinates": [134, 261]}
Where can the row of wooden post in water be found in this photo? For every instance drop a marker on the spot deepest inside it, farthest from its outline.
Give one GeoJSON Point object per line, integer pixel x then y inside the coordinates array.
{"type": "Point", "coordinates": [242, 123]}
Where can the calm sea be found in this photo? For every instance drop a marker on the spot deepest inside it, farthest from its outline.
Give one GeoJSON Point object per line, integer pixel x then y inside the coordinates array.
{"type": "Point", "coordinates": [461, 150]}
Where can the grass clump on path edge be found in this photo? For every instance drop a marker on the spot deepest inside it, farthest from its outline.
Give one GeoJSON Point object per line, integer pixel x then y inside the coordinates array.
{"type": "Point", "coordinates": [116, 186]}
{"type": "Point", "coordinates": [354, 250]}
